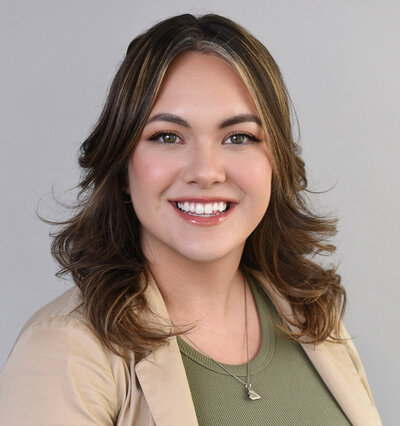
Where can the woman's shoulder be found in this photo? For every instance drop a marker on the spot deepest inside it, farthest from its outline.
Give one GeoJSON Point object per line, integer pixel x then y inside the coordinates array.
{"type": "Point", "coordinates": [67, 306]}
{"type": "Point", "coordinates": [58, 322]}
{"type": "Point", "coordinates": [58, 357]}
{"type": "Point", "coordinates": [62, 327]}
{"type": "Point", "coordinates": [61, 330]}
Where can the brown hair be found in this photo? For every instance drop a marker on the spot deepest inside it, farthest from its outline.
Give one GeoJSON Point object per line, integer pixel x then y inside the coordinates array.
{"type": "Point", "coordinates": [100, 245]}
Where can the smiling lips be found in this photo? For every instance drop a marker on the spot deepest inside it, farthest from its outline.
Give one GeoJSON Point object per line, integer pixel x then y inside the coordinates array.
{"type": "Point", "coordinates": [203, 209]}
{"type": "Point", "coordinates": [203, 212]}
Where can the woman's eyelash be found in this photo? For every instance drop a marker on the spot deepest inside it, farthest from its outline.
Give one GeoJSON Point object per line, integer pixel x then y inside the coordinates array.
{"type": "Point", "coordinates": [247, 135]}
{"type": "Point", "coordinates": [158, 135]}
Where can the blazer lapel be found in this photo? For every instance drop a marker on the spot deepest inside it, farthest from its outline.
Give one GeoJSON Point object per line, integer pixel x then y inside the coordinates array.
{"type": "Point", "coordinates": [340, 368]}
{"type": "Point", "coordinates": [162, 376]}
{"type": "Point", "coordinates": [334, 365]}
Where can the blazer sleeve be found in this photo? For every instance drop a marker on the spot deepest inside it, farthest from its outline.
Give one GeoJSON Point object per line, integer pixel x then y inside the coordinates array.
{"type": "Point", "coordinates": [58, 373]}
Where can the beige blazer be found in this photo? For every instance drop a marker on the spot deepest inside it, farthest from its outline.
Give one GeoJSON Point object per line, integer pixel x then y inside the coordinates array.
{"type": "Point", "coordinates": [58, 373]}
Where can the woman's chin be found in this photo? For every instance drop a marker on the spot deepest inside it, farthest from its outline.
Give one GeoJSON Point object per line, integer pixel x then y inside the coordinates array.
{"type": "Point", "coordinates": [201, 255]}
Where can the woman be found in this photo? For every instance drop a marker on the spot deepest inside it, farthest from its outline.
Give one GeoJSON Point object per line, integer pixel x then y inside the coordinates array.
{"type": "Point", "coordinates": [198, 298]}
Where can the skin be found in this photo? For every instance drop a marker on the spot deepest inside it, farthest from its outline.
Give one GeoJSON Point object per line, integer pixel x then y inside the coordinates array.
{"type": "Point", "coordinates": [196, 266]}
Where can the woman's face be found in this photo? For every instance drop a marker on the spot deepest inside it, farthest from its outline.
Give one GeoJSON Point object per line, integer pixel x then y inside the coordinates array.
{"type": "Point", "coordinates": [200, 175]}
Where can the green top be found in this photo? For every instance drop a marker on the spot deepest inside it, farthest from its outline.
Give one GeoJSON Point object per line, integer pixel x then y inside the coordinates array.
{"type": "Point", "coordinates": [292, 392]}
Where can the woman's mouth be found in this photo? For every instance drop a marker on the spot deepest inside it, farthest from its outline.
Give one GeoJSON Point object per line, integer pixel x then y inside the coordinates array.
{"type": "Point", "coordinates": [206, 213]}
{"type": "Point", "coordinates": [203, 209]}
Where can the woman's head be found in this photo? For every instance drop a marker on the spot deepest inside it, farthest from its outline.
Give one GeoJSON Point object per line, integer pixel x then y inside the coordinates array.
{"type": "Point", "coordinates": [105, 154]}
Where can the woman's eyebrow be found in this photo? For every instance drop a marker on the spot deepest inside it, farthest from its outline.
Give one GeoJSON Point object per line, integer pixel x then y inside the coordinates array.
{"type": "Point", "coordinates": [236, 119]}
{"type": "Point", "coordinates": [241, 118]}
{"type": "Point", "coordinates": [172, 118]}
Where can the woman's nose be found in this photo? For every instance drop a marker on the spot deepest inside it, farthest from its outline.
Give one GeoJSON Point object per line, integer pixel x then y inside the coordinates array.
{"type": "Point", "coordinates": [204, 165]}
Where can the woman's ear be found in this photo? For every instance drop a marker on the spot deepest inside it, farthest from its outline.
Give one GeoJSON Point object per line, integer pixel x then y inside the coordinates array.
{"type": "Point", "coordinates": [126, 195]}
{"type": "Point", "coordinates": [125, 184]}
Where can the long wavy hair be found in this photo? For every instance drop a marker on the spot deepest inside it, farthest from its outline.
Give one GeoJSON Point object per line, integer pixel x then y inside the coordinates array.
{"type": "Point", "coordinates": [100, 245]}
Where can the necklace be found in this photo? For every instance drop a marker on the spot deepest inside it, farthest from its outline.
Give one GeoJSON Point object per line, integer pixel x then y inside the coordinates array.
{"type": "Point", "coordinates": [253, 395]}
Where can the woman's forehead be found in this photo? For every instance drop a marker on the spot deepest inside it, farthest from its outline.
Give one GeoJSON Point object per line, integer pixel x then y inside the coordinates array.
{"type": "Point", "coordinates": [196, 81]}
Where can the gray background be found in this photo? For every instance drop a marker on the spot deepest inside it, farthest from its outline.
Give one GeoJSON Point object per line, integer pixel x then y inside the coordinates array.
{"type": "Point", "coordinates": [340, 60]}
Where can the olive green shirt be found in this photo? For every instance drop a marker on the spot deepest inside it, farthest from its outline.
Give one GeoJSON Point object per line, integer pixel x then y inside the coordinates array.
{"type": "Point", "coordinates": [292, 392]}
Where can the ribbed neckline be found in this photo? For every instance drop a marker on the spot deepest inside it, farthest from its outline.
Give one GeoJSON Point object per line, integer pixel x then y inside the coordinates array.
{"type": "Point", "coordinates": [267, 347]}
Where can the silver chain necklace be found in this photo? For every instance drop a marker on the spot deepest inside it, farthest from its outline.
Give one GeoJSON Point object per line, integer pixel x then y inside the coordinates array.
{"type": "Point", "coordinates": [253, 395]}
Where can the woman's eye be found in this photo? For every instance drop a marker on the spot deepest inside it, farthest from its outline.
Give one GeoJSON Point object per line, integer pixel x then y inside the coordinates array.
{"type": "Point", "coordinates": [241, 139]}
{"type": "Point", "coordinates": [167, 138]}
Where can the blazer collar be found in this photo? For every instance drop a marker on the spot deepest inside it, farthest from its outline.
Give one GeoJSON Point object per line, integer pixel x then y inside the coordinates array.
{"type": "Point", "coordinates": [162, 375]}
{"type": "Point", "coordinates": [165, 386]}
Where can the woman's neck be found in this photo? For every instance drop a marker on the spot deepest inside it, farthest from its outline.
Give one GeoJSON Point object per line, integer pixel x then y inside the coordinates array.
{"type": "Point", "coordinates": [205, 300]}
{"type": "Point", "coordinates": [196, 292]}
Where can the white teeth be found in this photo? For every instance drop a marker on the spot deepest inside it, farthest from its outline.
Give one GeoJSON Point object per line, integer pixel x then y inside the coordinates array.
{"type": "Point", "coordinates": [202, 208]}
{"type": "Point", "coordinates": [199, 208]}
{"type": "Point", "coordinates": [208, 209]}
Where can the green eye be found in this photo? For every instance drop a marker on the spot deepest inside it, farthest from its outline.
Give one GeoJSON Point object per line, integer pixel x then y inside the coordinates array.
{"type": "Point", "coordinates": [169, 138]}
{"type": "Point", "coordinates": [241, 139]}
{"type": "Point", "coordinates": [166, 138]}
{"type": "Point", "coordinates": [238, 139]}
